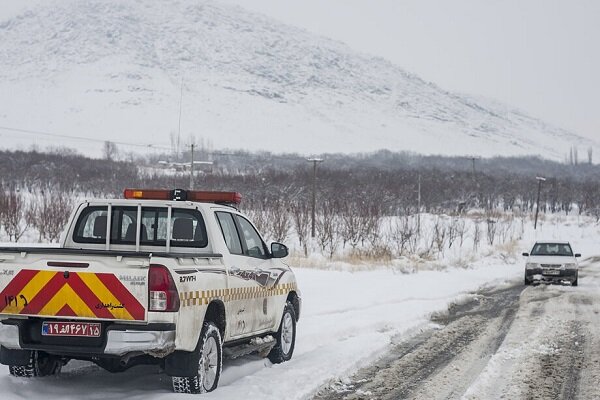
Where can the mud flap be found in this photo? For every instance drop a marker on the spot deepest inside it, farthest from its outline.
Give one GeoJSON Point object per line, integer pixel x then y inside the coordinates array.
{"type": "Point", "coordinates": [14, 357]}
{"type": "Point", "coordinates": [182, 363]}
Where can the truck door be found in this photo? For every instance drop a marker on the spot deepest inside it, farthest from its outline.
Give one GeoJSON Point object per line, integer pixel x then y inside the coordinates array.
{"type": "Point", "coordinates": [260, 272]}
{"type": "Point", "coordinates": [249, 276]}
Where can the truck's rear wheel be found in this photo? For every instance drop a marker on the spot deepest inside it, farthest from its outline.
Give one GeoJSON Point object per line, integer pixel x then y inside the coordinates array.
{"type": "Point", "coordinates": [40, 364]}
{"type": "Point", "coordinates": [285, 337]}
{"type": "Point", "coordinates": [206, 377]}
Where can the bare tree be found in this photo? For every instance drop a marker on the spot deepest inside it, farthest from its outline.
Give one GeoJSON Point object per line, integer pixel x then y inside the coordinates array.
{"type": "Point", "coordinates": [260, 219]}
{"type": "Point", "coordinates": [401, 231]}
{"type": "Point", "coordinates": [439, 235]}
{"type": "Point", "coordinates": [352, 225]}
{"type": "Point", "coordinates": [301, 219]}
{"type": "Point", "coordinates": [48, 213]}
{"type": "Point", "coordinates": [461, 230]}
{"type": "Point", "coordinates": [110, 150]}
{"type": "Point", "coordinates": [328, 229]}
{"type": "Point", "coordinates": [476, 235]}
{"type": "Point", "coordinates": [14, 210]}
{"type": "Point", "coordinates": [452, 231]}
{"type": "Point", "coordinates": [278, 221]}
{"type": "Point", "coordinates": [492, 229]}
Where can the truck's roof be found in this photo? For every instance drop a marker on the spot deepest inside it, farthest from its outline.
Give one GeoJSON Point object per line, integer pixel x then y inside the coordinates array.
{"type": "Point", "coordinates": [155, 203]}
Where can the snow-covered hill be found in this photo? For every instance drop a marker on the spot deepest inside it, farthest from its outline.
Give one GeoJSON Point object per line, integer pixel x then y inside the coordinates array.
{"type": "Point", "coordinates": [112, 70]}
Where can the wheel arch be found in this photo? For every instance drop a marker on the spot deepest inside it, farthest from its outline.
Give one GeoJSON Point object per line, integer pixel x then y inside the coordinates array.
{"type": "Point", "coordinates": [293, 298]}
{"type": "Point", "coordinates": [216, 313]}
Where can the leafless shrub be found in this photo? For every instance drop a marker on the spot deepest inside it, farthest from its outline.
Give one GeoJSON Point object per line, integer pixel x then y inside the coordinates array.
{"type": "Point", "coordinates": [13, 215]}
{"type": "Point", "coordinates": [260, 219]}
{"type": "Point", "coordinates": [492, 226]}
{"type": "Point", "coordinates": [278, 221]}
{"type": "Point", "coordinates": [452, 231]}
{"type": "Point", "coordinates": [402, 231]}
{"type": "Point", "coordinates": [428, 238]}
{"type": "Point", "coordinates": [461, 230]}
{"type": "Point", "coordinates": [505, 230]}
{"type": "Point", "coordinates": [48, 213]}
{"type": "Point", "coordinates": [328, 229]}
{"type": "Point", "coordinates": [439, 236]}
{"type": "Point", "coordinates": [476, 235]}
{"type": "Point", "coordinates": [301, 219]}
{"type": "Point", "coordinates": [352, 229]}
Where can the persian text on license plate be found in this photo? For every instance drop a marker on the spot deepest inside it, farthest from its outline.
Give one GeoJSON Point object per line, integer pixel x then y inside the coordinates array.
{"type": "Point", "coordinates": [81, 329]}
{"type": "Point", "coordinates": [551, 272]}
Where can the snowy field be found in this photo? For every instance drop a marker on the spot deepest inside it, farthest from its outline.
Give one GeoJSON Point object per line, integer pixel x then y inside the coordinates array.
{"type": "Point", "coordinates": [348, 319]}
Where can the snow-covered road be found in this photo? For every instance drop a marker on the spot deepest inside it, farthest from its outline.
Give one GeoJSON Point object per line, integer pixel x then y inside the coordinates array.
{"type": "Point", "coordinates": [515, 342]}
{"type": "Point", "coordinates": [348, 320]}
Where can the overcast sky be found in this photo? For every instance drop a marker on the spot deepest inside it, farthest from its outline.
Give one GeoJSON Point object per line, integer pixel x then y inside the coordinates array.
{"type": "Point", "coordinates": [540, 55]}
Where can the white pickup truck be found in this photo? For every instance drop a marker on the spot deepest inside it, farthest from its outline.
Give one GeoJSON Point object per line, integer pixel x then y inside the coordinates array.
{"type": "Point", "coordinates": [169, 277]}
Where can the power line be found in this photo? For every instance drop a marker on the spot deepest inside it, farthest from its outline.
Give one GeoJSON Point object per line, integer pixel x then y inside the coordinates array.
{"type": "Point", "coordinates": [148, 145]}
{"type": "Point", "coordinates": [59, 135]}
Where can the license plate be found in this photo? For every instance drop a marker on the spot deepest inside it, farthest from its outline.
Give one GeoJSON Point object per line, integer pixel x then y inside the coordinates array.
{"type": "Point", "coordinates": [551, 272]}
{"type": "Point", "coordinates": [79, 329]}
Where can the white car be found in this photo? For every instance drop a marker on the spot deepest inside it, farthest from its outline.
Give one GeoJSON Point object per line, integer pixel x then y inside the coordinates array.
{"type": "Point", "coordinates": [552, 262]}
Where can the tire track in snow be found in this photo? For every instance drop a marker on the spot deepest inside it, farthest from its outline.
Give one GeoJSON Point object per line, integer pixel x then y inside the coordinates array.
{"type": "Point", "coordinates": [433, 364]}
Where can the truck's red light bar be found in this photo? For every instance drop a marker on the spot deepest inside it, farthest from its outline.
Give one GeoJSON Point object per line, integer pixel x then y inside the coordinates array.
{"type": "Point", "coordinates": [179, 194]}
{"type": "Point", "coordinates": [215, 197]}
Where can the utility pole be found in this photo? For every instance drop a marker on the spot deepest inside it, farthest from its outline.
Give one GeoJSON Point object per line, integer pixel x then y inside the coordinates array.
{"type": "Point", "coordinates": [537, 207]}
{"type": "Point", "coordinates": [179, 128]}
{"type": "Point", "coordinates": [315, 161]}
{"type": "Point", "coordinates": [419, 207]}
{"type": "Point", "coordinates": [192, 169]}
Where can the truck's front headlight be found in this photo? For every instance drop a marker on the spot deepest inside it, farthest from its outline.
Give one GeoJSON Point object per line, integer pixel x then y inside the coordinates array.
{"type": "Point", "coordinates": [570, 266]}
{"type": "Point", "coordinates": [531, 265]}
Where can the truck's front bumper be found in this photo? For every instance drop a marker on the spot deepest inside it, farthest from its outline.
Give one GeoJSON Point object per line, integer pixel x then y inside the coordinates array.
{"type": "Point", "coordinates": [117, 340]}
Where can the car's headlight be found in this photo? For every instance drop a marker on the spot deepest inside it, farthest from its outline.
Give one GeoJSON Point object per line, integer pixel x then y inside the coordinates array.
{"type": "Point", "coordinates": [532, 265]}
{"type": "Point", "coordinates": [570, 266]}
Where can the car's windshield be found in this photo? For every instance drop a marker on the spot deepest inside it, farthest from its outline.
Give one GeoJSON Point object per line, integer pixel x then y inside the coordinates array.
{"type": "Point", "coordinates": [552, 249]}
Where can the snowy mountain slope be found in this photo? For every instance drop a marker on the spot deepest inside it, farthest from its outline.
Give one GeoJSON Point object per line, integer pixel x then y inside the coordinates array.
{"type": "Point", "coordinates": [112, 70]}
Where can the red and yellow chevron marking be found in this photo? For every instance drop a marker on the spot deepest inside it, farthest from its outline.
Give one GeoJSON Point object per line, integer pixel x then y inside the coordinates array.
{"type": "Point", "coordinates": [81, 294]}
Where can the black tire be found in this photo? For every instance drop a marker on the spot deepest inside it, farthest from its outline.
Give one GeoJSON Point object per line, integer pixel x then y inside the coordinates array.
{"type": "Point", "coordinates": [575, 282]}
{"type": "Point", "coordinates": [285, 336]}
{"type": "Point", "coordinates": [527, 282]}
{"type": "Point", "coordinates": [206, 376]}
{"type": "Point", "coordinates": [40, 364]}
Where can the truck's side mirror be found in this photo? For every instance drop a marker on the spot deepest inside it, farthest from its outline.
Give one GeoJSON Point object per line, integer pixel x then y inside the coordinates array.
{"type": "Point", "coordinates": [279, 250]}
{"type": "Point", "coordinates": [577, 255]}
{"type": "Point", "coordinates": [525, 254]}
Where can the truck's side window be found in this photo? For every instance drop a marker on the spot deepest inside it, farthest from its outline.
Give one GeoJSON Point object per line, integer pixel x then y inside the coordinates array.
{"type": "Point", "coordinates": [254, 244]}
{"type": "Point", "coordinates": [230, 233]}
{"type": "Point", "coordinates": [187, 229]}
{"type": "Point", "coordinates": [91, 226]}
{"type": "Point", "coordinates": [123, 225]}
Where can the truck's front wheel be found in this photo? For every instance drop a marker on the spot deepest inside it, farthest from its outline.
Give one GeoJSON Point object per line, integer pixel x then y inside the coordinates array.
{"type": "Point", "coordinates": [40, 364]}
{"type": "Point", "coordinates": [206, 377]}
{"type": "Point", "coordinates": [286, 336]}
